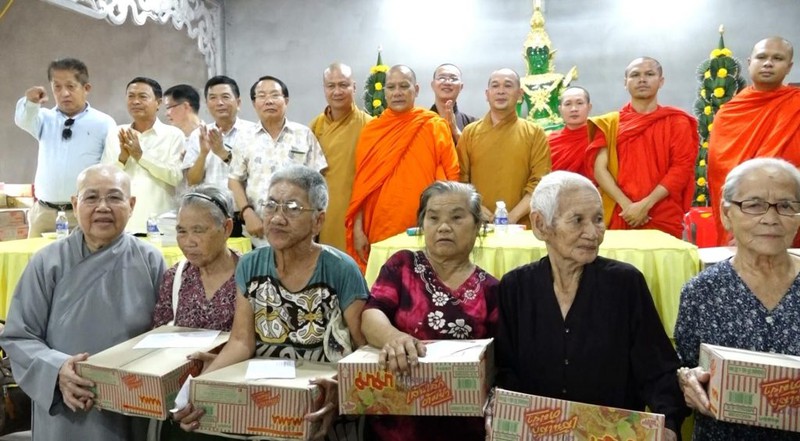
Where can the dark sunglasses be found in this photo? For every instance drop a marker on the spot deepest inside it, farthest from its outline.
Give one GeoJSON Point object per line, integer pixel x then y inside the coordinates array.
{"type": "Point", "coordinates": [66, 134]}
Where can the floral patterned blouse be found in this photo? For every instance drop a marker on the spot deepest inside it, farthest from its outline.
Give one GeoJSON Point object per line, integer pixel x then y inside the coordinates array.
{"type": "Point", "coordinates": [195, 310]}
{"type": "Point", "coordinates": [415, 300]}
{"type": "Point", "coordinates": [718, 308]}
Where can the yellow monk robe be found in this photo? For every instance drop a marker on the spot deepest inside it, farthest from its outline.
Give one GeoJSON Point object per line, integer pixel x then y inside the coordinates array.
{"type": "Point", "coordinates": [338, 140]}
{"type": "Point", "coordinates": [646, 150]}
{"type": "Point", "coordinates": [504, 162]}
{"type": "Point", "coordinates": [397, 157]}
{"type": "Point", "coordinates": [753, 124]}
{"type": "Point", "coordinates": [568, 149]}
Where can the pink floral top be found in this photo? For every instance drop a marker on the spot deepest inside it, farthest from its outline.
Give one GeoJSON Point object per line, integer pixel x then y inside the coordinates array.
{"type": "Point", "coordinates": [195, 310]}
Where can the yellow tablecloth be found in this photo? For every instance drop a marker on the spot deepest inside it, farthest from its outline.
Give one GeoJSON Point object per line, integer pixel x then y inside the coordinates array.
{"type": "Point", "coordinates": [15, 255]}
{"type": "Point", "coordinates": [666, 262]}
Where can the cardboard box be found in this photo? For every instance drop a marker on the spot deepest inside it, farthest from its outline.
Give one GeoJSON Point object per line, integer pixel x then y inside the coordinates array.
{"type": "Point", "coordinates": [142, 382]}
{"type": "Point", "coordinates": [518, 416]}
{"type": "Point", "coordinates": [13, 217]}
{"type": "Point", "coordinates": [753, 388]}
{"type": "Point", "coordinates": [452, 380]}
{"type": "Point", "coordinates": [13, 233]}
{"type": "Point", "coordinates": [267, 407]}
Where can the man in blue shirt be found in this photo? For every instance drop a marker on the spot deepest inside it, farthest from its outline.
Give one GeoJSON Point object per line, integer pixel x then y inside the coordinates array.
{"type": "Point", "coordinates": [71, 137]}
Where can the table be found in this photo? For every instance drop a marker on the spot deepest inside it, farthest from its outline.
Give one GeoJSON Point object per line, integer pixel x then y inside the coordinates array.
{"type": "Point", "coordinates": [666, 262]}
{"type": "Point", "coordinates": [15, 255]}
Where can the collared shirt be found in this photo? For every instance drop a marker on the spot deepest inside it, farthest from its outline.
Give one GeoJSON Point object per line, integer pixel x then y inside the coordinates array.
{"type": "Point", "coordinates": [462, 119]}
{"type": "Point", "coordinates": [60, 161]}
{"type": "Point", "coordinates": [257, 156]}
{"type": "Point", "coordinates": [216, 169]}
{"type": "Point", "coordinates": [155, 175]}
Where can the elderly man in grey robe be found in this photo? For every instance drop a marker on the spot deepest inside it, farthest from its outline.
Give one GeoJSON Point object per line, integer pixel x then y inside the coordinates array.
{"type": "Point", "coordinates": [79, 296]}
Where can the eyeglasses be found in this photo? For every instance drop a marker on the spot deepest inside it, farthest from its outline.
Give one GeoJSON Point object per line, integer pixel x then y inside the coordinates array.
{"type": "Point", "coordinates": [172, 105]}
{"type": "Point", "coordinates": [271, 96]}
{"type": "Point", "coordinates": [66, 134]}
{"type": "Point", "coordinates": [448, 79]}
{"type": "Point", "coordinates": [756, 207]}
{"type": "Point", "coordinates": [290, 209]}
{"type": "Point", "coordinates": [208, 198]}
{"type": "Point", "coordinates": [93, 200]}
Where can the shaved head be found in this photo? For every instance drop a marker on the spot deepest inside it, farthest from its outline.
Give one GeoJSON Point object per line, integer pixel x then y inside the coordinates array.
{"type": "Point", "coordinates": [641, 60]}
{"type": "Point", "coordinates": [780, 40]}
{"type": "Point", "coordinates": [573, 90]}
{"type": "Point", "coordinates": [451, 65]}
{"type": "Point", "coordinates": [405, 70]}
{"type": "Point", "coordinates": [338, 67]}
{"type": "Point", "coordinates": [108, 171]}
{"type": "Point", "coordinates": [505, 72]}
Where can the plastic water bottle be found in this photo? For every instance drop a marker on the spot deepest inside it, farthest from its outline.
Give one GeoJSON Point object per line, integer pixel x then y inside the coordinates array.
{"type": "Point", "coordinates": [501, 218]}
{"type": "Point", "coordinates": [153, 235]}
{"type": "Point", "coordinates": [62, 225]}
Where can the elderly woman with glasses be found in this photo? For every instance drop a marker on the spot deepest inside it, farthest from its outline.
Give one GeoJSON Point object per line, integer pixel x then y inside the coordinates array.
{"type": "Point", "coordinates": [752, 300]}
{"type": "Point", "coordinates": [295, 299]}
{"type": "Point", "coordinates": [580, 327]}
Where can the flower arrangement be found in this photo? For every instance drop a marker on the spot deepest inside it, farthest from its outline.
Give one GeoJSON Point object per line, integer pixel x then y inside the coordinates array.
{"type": "Point", "coordinates": [720, 79]}
{"type": "Point", "coordinates": [374, 98]}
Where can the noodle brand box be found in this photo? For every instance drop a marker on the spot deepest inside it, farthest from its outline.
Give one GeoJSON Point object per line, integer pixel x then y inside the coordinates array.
{"type": "Point", "coordinates": [143, 381]}
{"type": "Point", "coordinates": [453, 379]}
{"type": "Point", "coordinates": [268, 407]}
{"type": "Point", "coordinates": [753, 388]}
{"type": "Point", "coordinates": [518, 416]}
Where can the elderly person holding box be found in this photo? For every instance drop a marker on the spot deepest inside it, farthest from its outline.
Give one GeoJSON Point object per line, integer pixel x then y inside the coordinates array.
{"type": "Point", "coordinates": [752, 300]}
{"type": "Point", "coordinates": [579, 327]}
{"type": "Point", "coordinates": [436, 293]}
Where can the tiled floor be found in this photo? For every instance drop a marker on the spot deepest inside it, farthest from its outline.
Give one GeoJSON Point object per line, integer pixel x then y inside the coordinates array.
{"type": "Point", "coordinates": [21, 436]}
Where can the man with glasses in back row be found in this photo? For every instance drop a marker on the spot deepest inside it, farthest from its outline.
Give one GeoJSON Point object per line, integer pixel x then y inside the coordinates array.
{"type": "Point", "coordinates": [72, 136]}
{"type": "Point", "coordinates": [447, 85]}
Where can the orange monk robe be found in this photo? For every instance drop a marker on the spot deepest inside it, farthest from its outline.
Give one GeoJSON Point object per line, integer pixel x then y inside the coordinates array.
{"type": "Point", "coordinates": [397, 157]}
{"type": "Point", "coordinates": [505, 161]}
{"type": "Point", "coordinates": [568, 149]}
{"type": "Point", "coordinates": [657, 148]}
{"type": "Point", "coordinates": [338, 140]}
{"type": "Point", "coordinates": [753, 124]}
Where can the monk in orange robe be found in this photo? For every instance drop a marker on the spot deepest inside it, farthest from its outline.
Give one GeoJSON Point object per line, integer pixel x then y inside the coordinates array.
{"type": "Point", "coordinates": [763, 120]}
{"type": "Point", "coordinates": [338, 129]}
{"type": "Point", "coordinates": [568, 145]}
{"type": "Point", "coordinates": [644, 156]}
{"type": "Point", "coordinates": [397, 156]}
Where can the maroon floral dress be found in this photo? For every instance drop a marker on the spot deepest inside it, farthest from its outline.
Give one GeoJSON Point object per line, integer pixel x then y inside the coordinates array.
{"type": "Point", "coordinates": [415, 300]}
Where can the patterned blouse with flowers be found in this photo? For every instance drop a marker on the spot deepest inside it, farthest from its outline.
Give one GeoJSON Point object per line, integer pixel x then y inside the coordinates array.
{"type": "Point", "coordinates": [195, 310]}
{"type": "Point", "coordinates": [415, 300]}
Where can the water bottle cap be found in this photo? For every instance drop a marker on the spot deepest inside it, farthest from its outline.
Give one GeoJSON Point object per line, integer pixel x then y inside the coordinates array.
{"type": "Point", "coordinates": [501, 204]}
{"type": "Point", "coordinates": [62, 213]}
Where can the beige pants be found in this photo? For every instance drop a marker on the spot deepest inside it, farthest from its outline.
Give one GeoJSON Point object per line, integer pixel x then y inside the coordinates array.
{"type": "Point", "coordinates": [42, 219]}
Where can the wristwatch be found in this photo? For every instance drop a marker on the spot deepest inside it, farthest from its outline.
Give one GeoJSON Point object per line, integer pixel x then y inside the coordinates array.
{"type": "Point", "coordinates": [228, 158]}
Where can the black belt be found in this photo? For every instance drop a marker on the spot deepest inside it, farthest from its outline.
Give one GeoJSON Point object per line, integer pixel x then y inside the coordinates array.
{"type": "Point", "coordinates": [58, 207]}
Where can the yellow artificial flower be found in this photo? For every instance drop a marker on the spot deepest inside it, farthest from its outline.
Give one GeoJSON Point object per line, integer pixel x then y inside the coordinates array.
{"type": "Point", "coordinates": [378, 86]}
{"type": "Point", "coordinates": [719, 92]}
{"type": "Point", "coordinates": [716, 53]}
{"type": "Point", "coordinates": [379, 68]}
{"type": "Point", "coordinates": [702, 163]}
{"type": "Point", "coordinates": [705, 144]}
{"type": "Point", "coordinates": [701, 198]}
{"type": "Point", "coordinates": [726, 52]}
{"type": "Point", "coordinates": [376, 103]}
{"type": "Point", "coordinates": [707, 74]}
{"type": "Point", "coordinates": [722, 72]}
{"type": "Point", "coordinates": [701, 181]}
{"type": "Point", "coordinates": [710, 127]}
{"type": "Point", "coordinates": [703, 93]}
{"type": "Point", "coordinates": [707, 110]}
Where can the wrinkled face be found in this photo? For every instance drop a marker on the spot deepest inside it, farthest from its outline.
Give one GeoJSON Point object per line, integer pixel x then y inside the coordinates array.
{"type": "Point", "coordinates": [340, 90]}
{"type": "Point", "coordinates": [69, 93]}
{"type": "Point", "coordinates": [449, 227]}
{"type": "Point", "coordinates": [574, 108]}
{"type": "Point", "coordinates": [142, 102]}
{"type": "Point", "coordinates": [270, 104]}
{"type": "Point", "coordinates": [400, 90]}
{"type": "Point", "coordinates": [177, 113]}
{"type": "Point", "coordinates": [578, 228]}
{"type": "Point", "coordinates": [769, 63]}
{"type": "Point", "coordinates": [447, 83]}
{"type": "Point", "coordinates": [643, 79]}
{"type": "Point", "coordinates": [222, 103]}
{"type": "Point", "coordinates": [200, 238]}
{"type": "Point", "coordinates": [289, 228]}
{"type": "Point", "coordinates": [767, 234]}
{"type": "Point", "coordinates": [503, 91]}
{"type": "Point", "coordinates": [103, 206]}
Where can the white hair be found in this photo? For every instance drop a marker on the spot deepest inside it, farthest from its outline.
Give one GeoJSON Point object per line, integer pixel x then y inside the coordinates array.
{"type": "Point", "coordinates": [545, 198]}
{"type": "Point", "coordinates": [740, 171]}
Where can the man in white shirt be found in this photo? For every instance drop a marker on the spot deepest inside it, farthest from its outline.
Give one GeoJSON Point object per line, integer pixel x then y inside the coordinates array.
{"type": "Point", "coordinates": [149, 151]}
